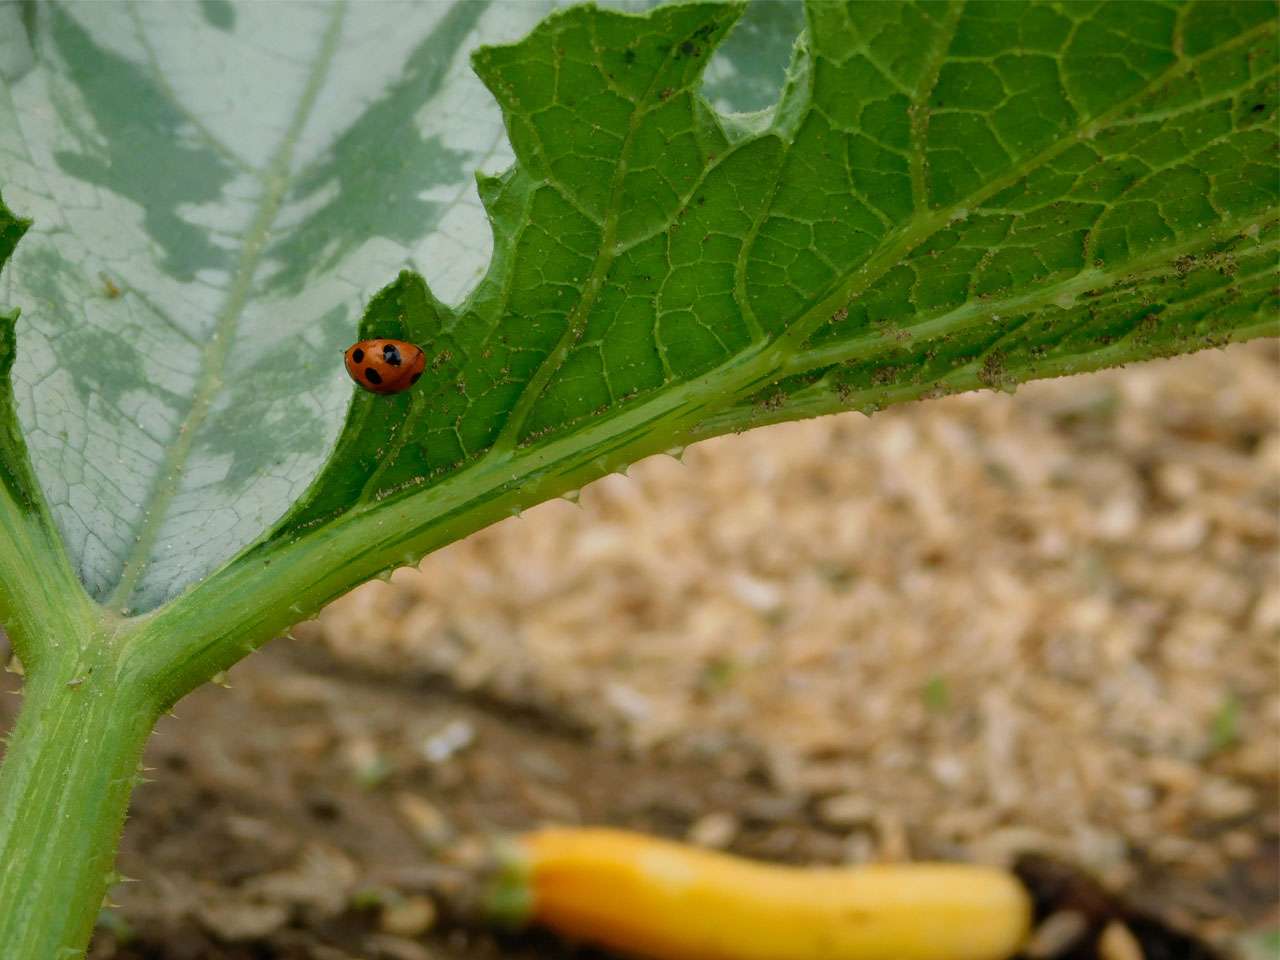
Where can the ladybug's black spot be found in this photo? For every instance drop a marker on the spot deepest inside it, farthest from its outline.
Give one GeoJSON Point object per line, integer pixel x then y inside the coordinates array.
{"type": "Point", "coordinates": [372, 375]}
{"type": "Point", "coordinates": [357, 355]}
{"type": "Point", "coordinates": [414, 379]}
{"type": "Point", "coordinates": [391, 354]}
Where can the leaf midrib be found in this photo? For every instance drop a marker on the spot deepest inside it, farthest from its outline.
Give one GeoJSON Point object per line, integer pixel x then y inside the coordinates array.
{"type": "Point", "coordinates": [275, 180]}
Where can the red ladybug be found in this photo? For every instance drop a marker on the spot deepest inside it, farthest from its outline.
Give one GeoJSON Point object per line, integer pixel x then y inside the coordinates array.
{"type": "Point", "coordinates": [385, 366]}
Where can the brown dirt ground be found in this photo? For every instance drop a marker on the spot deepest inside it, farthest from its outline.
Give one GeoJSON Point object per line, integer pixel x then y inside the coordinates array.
{"type": "Point", "coordinates": [972, 628]}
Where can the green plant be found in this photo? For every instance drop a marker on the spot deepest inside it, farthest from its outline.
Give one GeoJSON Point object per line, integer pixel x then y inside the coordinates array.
{"type": "Point", "coordinates": [945, 198]}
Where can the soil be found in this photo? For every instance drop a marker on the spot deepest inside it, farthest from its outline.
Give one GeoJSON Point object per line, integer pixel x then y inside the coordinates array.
{"type": "Point", "coordinates": [1036, 630]}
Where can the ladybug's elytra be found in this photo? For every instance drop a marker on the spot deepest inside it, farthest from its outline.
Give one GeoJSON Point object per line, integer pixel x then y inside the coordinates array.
{"type": "Point", "coordinates": [385, 366]}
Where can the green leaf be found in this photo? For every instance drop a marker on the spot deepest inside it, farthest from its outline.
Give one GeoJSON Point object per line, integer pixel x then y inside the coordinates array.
{"type": "Point", "coordinates": [946, 196]}
{"type": "Point", "coordinates": [944, 200]}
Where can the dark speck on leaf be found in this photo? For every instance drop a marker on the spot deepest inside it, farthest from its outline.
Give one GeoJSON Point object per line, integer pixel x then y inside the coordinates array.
{"type": "Point", "coordinates": [992, 373]}
{"type": "Point", "coordinates": [1259, 107]}
{"type": "Point", "coordinates": [629, 57]}
{"type": "Point", "coordinates": [372, 375]}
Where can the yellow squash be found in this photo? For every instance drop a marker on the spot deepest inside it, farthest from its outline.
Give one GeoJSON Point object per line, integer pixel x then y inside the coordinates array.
{"type": "Point", "coordinates": [668, 901]}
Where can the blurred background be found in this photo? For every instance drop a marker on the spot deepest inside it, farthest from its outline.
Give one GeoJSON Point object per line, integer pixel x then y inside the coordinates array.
{"type": "Point", "coordinates": [969, 629]}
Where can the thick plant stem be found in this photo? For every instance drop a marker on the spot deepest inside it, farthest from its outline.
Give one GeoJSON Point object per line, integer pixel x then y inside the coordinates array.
{"type": "Point", "coordinates": [70, 765]}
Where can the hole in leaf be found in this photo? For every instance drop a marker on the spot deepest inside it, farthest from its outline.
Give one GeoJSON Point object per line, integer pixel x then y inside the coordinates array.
{"type": "Point", "coordinates": [747, 71]}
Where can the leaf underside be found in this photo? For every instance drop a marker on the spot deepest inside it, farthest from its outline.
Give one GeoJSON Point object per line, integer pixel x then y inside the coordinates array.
{"type": "Point", "coordinates": [946, 196]}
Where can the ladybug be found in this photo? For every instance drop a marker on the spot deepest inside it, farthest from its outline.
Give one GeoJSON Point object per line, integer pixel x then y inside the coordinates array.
{"type": "Point", "coordinates": [385, 366]}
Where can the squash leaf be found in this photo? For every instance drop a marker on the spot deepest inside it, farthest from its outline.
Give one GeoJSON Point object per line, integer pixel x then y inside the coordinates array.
{"type": "Point", "coordinates": [943, 196]}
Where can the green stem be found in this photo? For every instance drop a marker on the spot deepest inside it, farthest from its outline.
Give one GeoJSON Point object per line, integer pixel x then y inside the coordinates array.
{"type": "Point", "coordinates": [71, 763]}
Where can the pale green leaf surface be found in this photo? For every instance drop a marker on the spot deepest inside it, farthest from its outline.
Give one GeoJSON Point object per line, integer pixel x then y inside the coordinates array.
{"type": "Point", "coordinates": [217, 191]}
{"type": "Point", "coordinates": [948, 196]}
{"type": "Point", "coordinates": [185, 156]}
